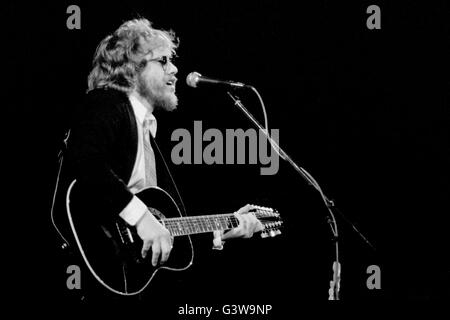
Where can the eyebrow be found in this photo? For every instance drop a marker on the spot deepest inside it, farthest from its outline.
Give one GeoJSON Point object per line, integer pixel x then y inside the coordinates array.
{"type": "Point", "coordinates": [169, 56]}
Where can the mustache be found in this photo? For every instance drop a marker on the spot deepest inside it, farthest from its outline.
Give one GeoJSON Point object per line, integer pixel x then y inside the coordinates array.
{"type": "Point", "coordinates": [156, 94]}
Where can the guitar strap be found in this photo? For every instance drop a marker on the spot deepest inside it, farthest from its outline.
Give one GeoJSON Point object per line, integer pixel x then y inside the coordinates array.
{"type": "Point", "coordinates": [167, 182]}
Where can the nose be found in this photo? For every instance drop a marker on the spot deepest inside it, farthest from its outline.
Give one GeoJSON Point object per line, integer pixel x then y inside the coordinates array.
{"type": "Point", "coordinates": [172, 68]}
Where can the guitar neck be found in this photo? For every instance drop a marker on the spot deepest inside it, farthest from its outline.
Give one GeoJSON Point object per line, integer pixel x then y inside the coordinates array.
{"type": "Point", "coordinates": [183, 226]}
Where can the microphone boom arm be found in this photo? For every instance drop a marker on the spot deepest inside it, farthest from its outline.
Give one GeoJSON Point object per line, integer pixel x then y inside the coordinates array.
{"type": "Point", "coordinates": [303, 173]}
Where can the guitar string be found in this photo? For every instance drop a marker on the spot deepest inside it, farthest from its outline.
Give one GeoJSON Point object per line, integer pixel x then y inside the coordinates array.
{"type": "Point", "coordinates": [211, 224]}
{"type": "Point", "coordinates": [203, 224]}
{"type": "Point", "coordinates": [220, 217]}
{"type": "Point", "coordinates": [208, 223]}
{"type": "Point", "coordinates": [208, 220]}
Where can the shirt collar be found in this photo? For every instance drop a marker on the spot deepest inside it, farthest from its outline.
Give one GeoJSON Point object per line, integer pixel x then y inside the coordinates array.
{"type": "Point", "coordinates": [142, 113]}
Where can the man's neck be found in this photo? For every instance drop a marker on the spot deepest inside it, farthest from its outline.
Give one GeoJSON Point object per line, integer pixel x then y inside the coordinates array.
{"type": "Point", "coordinates": [142, 100]}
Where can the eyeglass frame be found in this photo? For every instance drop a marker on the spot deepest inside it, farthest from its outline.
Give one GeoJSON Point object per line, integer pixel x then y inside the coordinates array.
{"type": "Point", "coordinates": [163, 61]}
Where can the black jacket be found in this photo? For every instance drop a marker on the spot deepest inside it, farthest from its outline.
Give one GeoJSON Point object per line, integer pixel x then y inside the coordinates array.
{"type": "Point", "coordinates": [102, 149]}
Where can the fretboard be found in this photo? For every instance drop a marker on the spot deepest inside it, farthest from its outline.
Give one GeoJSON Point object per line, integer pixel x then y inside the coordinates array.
{"type": "Point", "coordinates": [200, 224]}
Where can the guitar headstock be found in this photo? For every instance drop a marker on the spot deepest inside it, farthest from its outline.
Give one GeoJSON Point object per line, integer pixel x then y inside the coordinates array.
{"type": "Point", "coordinates": [270, 219]}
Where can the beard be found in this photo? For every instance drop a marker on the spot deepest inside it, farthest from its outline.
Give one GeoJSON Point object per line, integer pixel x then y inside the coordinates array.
{"type": "Point", "coordinates": [157, 94]}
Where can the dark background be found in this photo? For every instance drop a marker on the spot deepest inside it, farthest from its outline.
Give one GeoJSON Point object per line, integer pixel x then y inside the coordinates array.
{"type": "Point", "coordinates": [366, 112]}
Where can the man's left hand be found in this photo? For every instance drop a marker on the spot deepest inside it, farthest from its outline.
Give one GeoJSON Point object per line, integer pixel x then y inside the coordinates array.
{"type": "Point", "coordinates": [248, 224]}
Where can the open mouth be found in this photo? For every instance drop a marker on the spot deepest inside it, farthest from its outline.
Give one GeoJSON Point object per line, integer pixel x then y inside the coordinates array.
{"type": "Point", "coordinates": [171, 82]}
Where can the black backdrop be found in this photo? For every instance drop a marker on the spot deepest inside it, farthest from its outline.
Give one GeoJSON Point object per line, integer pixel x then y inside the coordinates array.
{"type": "Point", "coordinates": [364, 111]}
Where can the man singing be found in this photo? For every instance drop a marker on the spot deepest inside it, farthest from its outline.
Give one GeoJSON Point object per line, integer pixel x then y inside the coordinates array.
{"type": "Point", "coordinates": [110, 147]}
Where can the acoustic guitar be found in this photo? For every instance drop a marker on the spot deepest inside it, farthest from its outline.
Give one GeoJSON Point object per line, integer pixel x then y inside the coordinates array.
{"type": "Point", "coordinates": [112, 250]}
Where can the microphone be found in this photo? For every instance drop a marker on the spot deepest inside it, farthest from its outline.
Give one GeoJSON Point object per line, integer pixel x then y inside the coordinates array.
{"type": "Point", "coordinates": [194, 78]}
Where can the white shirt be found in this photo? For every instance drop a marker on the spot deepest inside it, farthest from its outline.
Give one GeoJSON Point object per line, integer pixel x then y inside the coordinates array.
{"type": "Point", "coordinates": [136, 208]}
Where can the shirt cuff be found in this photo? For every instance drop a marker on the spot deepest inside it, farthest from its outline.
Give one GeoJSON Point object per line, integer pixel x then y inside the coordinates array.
{"type": "Point", "coordinates": [133, 211]}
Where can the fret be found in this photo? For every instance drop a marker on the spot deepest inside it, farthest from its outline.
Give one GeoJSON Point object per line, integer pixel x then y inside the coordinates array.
{"type": "Point", "coordinates": [181, 230]}
{"type": "Point", "coordinates": [216, 223]}
{"type": "Point", "coordinates": [175, 230]}
{"type": "Point", "coordinates": [194, 224]}
{"type": "Point", "coordinates": [202, 223]}
{"type": "Point", "coordinates": [207, 224]}
{"type": "Point", "coordinates": [228, 222]}
{"type": "Point", "coordinates": [210, 224]}
{"type": "Point", "coordinates": [169, 227]}
{"type": "Point", "coordinates": [197, 225]}
{"type": "Point", "coordinates": [188, 227]}
{"type": "Point", "coordinates": [191, 224]}
{"type": "Point", "coordinates": [233, 222]}
{"type": "Point", "coordinates": [223, 223]}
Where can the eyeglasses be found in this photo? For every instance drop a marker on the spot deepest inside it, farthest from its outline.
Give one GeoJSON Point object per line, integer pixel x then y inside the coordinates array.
{"type": "Point", "coordinates": [163, 61]}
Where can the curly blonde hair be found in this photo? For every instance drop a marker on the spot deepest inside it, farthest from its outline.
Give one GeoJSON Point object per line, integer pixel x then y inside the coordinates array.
{"type": "Point", "coordinates": [119, 57]}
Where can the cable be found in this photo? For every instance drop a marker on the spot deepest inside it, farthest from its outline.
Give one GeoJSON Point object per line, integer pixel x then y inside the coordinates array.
{"type": "Point", "coordinates": [266, 122]}
{"type": "Point", "coordinates": [61, 158]}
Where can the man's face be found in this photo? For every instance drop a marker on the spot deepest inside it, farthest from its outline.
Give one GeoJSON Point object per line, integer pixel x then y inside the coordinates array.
{"type": "Point", "coordinates": [156, 82]}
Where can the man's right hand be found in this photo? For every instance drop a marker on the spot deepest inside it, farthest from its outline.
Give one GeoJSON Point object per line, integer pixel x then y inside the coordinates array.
{"type": "Point", "coordinates": [155, 236]}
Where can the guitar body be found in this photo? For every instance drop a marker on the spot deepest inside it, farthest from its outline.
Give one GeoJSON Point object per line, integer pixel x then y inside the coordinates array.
{"type": "Point", "coordinates": [111, 249]}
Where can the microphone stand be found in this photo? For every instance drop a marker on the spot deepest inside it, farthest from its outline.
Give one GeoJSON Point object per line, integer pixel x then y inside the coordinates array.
{"type": "Point", "coordinates": [335, 283]}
